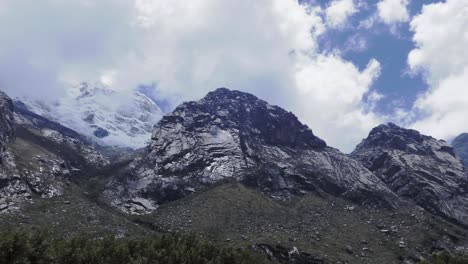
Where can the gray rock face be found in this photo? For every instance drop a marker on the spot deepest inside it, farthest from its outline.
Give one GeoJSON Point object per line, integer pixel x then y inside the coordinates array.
{"type": "Point", "coordinates": [230, 135]}
{"type": "Point", "coordinates": [6, 120]}
{"type": "Point", "coordinates": [82, 151]}
{"type": "Point", "coordinates": [460, 145]}
{"type": "Point", "coordinates": [10, 185]}
{"type": "Point", "coordinates": [109, 117]}
{"type": "Point", "coordinates": [38, 157]}
{"type": "Point", "coordinates": [419, 168]}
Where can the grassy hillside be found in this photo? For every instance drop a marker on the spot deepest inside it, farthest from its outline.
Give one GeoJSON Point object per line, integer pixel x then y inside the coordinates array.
{"type": "Point", "coordinates": [326, 227]}
{"type": "Point", "coordinates": [446, 258]}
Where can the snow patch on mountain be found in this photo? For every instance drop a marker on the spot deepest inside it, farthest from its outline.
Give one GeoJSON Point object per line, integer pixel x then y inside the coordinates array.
{"type": "Point", "coordinates": [107, 116]}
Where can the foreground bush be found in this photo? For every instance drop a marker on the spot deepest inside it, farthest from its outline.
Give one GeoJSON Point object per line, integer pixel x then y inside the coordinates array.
{"type": "Point", "coordinates": [446, 258]}
{"type": "Point", "coordinates": [25, 247]}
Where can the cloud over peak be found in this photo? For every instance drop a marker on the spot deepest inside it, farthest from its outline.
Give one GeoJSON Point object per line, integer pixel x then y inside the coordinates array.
{"type": "Point", "coordinates": [187, 48]}
{"type": "Point", "coordinates": [440, 36]}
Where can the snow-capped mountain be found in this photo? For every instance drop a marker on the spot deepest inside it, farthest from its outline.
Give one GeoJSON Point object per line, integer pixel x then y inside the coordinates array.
{"type": "Point", "coordinates": [107, 116]}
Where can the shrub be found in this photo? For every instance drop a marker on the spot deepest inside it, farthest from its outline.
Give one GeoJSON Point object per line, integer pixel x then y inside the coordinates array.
{"type": "Point", "coordinates": [26, 247]}
{"type": "Point", "coordinates": [446, 258]}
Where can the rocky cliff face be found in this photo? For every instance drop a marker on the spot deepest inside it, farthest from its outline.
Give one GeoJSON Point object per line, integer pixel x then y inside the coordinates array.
{"type": "Point", "coordinates": [6, 120]}
{"type": "Point", "coordinates": [10, 185]}
{"type": "Point", "coordinates": [460, 145]}
{"type": "Point", "coordinates": [38, 157]}
{"type": "Point", "coordinates": [230, 135]}
{"type": "Point", "coordinates": [419, 168]}
{"type": "Point", "coordinates": [82, 151]}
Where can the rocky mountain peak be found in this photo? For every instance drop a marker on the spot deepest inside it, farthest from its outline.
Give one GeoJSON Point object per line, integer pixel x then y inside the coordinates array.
{"type": "Point", "coordinates": [251, 117]}
{"type": "Point", "coordinates": [231, 135]}
{"type": "Point", "coordinates": [227, 94]}
{"type": "Point", "coordinates": [460, 145]}
{"type": "Point", "coordinates": [39, 157]}
{"type": "Point", "coordinates": [391, 136]}
{"type": "Point", "coordinates": [417, 167]}
{"type": "Point", "coordinates": [108, 116]}
{"type": "Point", "coordinates": [462, 136]}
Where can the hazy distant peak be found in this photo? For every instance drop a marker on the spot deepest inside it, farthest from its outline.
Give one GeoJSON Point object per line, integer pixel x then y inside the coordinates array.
{"type": "Point", "coordinates": [106, 115]}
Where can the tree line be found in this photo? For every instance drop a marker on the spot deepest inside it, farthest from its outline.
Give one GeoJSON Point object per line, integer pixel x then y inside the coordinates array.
{"type": "Point", "coordinates": [31, 247]}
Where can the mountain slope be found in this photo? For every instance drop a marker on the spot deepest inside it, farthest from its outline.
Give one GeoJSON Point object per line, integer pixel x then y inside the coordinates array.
{"type": "Point", "coordinates": [12, 188]}
{"type": "Point", "coordinates": [230, 135]}
{"type": "Point", "coordinates": [230, 168]}
{"type": "Point", "coordinates": [79, 145]}
{"type": "Point", "coordinates": [39, 157]}
{"type": "Point", "coordinates": [326, 228]}
{"type": "Point", "coordinates": [417, 167]}
{"type": "Point", "coordinates": [104, 115]}
{"type": "Point", "coordinates": [460, 145]}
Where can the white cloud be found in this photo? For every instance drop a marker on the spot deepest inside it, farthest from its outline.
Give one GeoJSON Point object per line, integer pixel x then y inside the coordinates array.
{"type": "Point", "coordinates": [46, 42]}
{"type": "Point", "coordinates": [267, 47]}
{"type": "Point", "coordinates": [441, 56]}
{"type": "Point", "coordinates": [3, 7]}
{"type": "Point", "coordinates": [108, 78]}
{"type": "Point", "coordinates": [367, 23]}
{"type": "Point", "coordinates": [441, 38]}
{"type": "Point", "coordinates": [357, 42]}
{"type": "Point", "coordinates": [330, 93]}
{"type": "Point", "coordinates": [338, 12]}
{"type": "Point", "coordinates": [393, 11]}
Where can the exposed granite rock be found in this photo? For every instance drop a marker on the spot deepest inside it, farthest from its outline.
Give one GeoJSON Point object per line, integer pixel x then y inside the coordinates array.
{"type": "Point", "coordinates": [79, 144]}
{"type": "Point", "coordinates": [6, 120]}
{"type": "Point", "coordinates": [288, 256]}
{"type": "Point", "coordinates": [11, 187]}
{"type": "Point", "coordinates": [231, 135]}
{"type": "Point", "coordinates": [460, 145]}
{"type": "Point", "coordinates": [101, 132]}
{"type": "Point", "coordinates": [38, 157]}
{"type": "Point", "coordinates": [419, 168]}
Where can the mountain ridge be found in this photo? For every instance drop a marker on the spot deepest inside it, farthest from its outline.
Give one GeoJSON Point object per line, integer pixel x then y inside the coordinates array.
{"type": "Point", "coordinates": [234, 135]}
{"type": "Point", "coordinates": [417, 167]}
{"type": "Point", "coordinates": [106, 116]}
{"type": "Point", "coordinates": [39, 157]}
{"type": "Point", "coordinates": [240, 172]}
{"type": "Point", "coordinates": [460, 145]}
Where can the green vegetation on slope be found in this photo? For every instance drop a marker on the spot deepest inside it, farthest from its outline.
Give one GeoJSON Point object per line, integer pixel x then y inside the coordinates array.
{"type": "Point", "coordinates": [25, 247]}
{"type": "Point", "coordinates": [324, 227]}
{"type": "Point", "coordinates": [446, 258]}
{"type": "Point", "coordinates": [230, 214]}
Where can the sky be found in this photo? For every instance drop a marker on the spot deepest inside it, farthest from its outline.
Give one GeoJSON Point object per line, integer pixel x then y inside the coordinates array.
{"type": "Point", "coordinates": [342, 66]}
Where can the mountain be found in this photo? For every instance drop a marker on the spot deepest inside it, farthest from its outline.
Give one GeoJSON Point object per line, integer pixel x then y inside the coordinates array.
{"type": "Point", "coordinates": [39, 157]}
{"type": "Point", "coordinates": [6, 120]}
{"type": "Point", "coordinates": [238, 171]}
{"type": "Point", "coordinates": [82, 150]}
{"type": "Point", "coordinates": [107, 116]}
{"type": "Point", "coordinates": [234, 136]}
{"type": "Point", "coordinates": [241, 173]}
{"type": "Point", "coordinates": [419, 168]}
{"type": "Point", "coordinates": [10, 186]}
{"type": "Point", "coordinates": [460, 145]}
